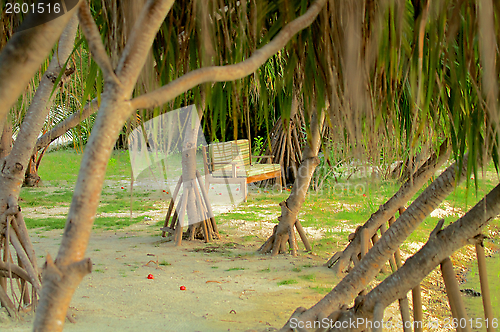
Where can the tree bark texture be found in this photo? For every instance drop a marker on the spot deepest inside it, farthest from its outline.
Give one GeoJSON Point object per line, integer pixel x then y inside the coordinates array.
{"type": "Point", "coordinates": [366, 270]}
{"type": "Point", "coordinates": [441, 244]}
{"type": "Point", "coordinates": [340, 262]}
{"type": "Point", "coordinates": [14, 164]}
{"type": "Point", "coordinates": [284, 231]}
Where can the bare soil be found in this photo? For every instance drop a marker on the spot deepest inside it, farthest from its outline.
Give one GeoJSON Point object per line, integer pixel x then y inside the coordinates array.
{"type": "Point", "coordinates": [228, 286]}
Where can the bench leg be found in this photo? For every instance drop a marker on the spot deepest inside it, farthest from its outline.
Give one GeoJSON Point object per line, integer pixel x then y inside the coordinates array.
{"type": "Point", "coordinates": [207, 184]}
{"type": "Point", "coordinates": [244, 190]}
{"type": "Point", "coordinates": [279, 183]}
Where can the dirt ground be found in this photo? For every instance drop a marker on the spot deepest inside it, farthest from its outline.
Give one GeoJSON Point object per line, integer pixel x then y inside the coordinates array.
{"type": "Point", "coordinates": [228, 286]}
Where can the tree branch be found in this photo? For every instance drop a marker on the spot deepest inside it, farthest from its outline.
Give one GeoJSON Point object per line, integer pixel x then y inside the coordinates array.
{"type": "Point", "coordinates": [95, 42]}
{"type": "Point", "coordinates": [135, 53]}
{"type": "Point", "coordinates": [230, 72]}
{"type": "Point", "coordinates": [70, 122]}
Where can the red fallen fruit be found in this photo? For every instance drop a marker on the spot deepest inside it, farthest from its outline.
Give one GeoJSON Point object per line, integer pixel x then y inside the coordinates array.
{"type": "Point", "coordinates": [183, 287]}
{"type": "Point", "coordinates": [123, 188]}
{"type": "Point", "coordinates": [167, 192]}
{"type": "Point", "coordinates": [364, 195]}
{"type": "Point", "coordinates": [150, 276]}
{"type": "Point", "coordinates": [164, 191]}
{"type": "Point", "coordinates": [237, 189]}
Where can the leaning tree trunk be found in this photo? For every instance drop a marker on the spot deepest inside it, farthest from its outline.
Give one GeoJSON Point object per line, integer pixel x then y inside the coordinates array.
{"type": "Point", "coordinates": [367, 269]}
{"type": "Point", "coordinates": [12, 176]}
{"type": "Point", "coordinates": [285, 231]}
{"type": "Point", "coordinates": [441, 244]}
{"type": "Point", "coordinates": [341, 260]}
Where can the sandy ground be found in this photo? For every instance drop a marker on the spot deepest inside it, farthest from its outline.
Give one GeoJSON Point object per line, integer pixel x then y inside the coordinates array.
{"type": "Point", "coordinates": [219, 296]}
{"type": "Point", "coordinates": [228, 286]}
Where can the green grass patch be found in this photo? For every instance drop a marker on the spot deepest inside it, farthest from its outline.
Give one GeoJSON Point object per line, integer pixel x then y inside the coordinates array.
{"type": "Point", "coordinates": [287, 282]}
{"type": "Point", "coordinates": [308, 277]}
{"type": "Point", "coordinates": [164, 263]}
{"type": "Point", "coordinates": [45, 223]}
{"type": "Point", "coordinates": [34, 197]}
{"type": "Point", "coordinates": [321, 290]}
{"type": "Point", "coordinates": [100, 222]}
{"type": "Point", "coordinates": [115, 222]}
{"type": "Point", "coordinates": [236, 269]}
{"type": "Point", "coordinates": [60, 166]}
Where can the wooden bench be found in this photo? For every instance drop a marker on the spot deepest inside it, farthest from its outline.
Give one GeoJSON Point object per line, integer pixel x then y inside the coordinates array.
{"type": "Point", "coordinates": [230, 163]}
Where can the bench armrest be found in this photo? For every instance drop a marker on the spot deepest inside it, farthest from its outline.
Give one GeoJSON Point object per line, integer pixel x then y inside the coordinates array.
{"type": "Point", "coordinates": [233, 164]}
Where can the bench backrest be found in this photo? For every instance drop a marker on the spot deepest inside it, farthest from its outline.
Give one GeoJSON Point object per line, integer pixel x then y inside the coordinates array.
{"type": "Point", "coordinates": [228, 152]}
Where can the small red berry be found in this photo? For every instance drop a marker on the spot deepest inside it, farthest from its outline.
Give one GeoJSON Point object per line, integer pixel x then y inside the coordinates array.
{"type": "Point", "coordinates": [164, 191]}
{"type": "Point", "coordinates": [364, 195]}
{"type": "Point", "coordinates": [237, 189]}
{"type": "Point", "coordinates": [183, 287]}
{"type": "Point", "coordinates": [150, 276]}
{"type": "Point", "coordinates": [123, 188]}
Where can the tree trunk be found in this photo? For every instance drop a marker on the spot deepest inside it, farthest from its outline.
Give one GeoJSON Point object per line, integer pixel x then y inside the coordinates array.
{"type": "Point", "coordinates": [62, 276]}
{"type": "Point", "coordinates": [366, 270]}
{"type": "Point", "coordinates": [339, 262]}
{"type": "Point", "coordinates": [284, 232]}
{"type": "Point", "coordinates": [13, 165]}
{"type": "Point", "coordinates": [200, 219]}
{"type": "Point", "coordinates": [441, 244]}
{"type": "Point", "coordinates": [19, 157]}
{"type": "Point", "coordinates": [6, 140]}
{"type": "Point", "coordinates": [285, 145]}
{"type": "Point", "coordinates": [31, 177]}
